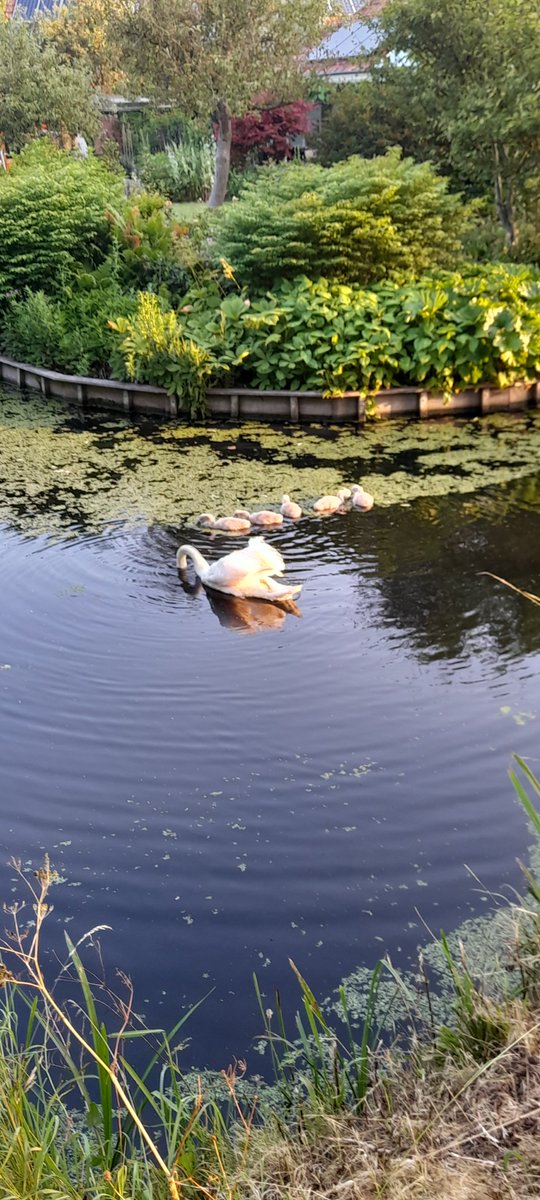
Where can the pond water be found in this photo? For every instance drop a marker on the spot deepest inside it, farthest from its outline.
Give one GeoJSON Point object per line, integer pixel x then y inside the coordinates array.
{"type": "Point", "coordinates": [228, 785]}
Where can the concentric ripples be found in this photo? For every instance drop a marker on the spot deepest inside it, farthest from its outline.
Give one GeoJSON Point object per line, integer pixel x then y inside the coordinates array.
{"type": "Point", "coordinates": [228, 785]}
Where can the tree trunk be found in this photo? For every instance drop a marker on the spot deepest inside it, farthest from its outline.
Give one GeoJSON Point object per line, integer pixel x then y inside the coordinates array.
{"type": "Point", "coordinates": [504, 199]}
{"type": "Point", "coordinates": [223, 155]}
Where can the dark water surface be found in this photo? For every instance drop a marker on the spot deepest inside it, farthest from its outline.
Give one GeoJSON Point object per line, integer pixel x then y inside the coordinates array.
{"type": "Point", "coordinates": [229, 786]}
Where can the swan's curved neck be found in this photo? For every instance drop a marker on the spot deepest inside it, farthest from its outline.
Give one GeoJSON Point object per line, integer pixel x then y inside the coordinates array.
{"type": "Point", "coordinates": [196, 557]}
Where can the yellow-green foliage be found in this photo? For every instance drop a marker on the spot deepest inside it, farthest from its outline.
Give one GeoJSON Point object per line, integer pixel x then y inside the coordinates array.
{"type": "Point", "coordinates": [52, 216]}
{"type": "Point", "coordinates": [156, 350]}
{"type": "Point", "coordinates": [359, 221]}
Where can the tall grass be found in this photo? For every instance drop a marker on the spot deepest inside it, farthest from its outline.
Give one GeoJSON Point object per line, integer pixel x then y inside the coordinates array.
{"type": "Point", "coordinates": [318, 1067]}
{"type": "Point", "coordinates": [191, 165]}
{"type": "Point", "coordinates": [183, 170]}
{"type": "Point", "coordinates": [80, 1116]}
{"type": "Point", "coordinates": [74, 1097]}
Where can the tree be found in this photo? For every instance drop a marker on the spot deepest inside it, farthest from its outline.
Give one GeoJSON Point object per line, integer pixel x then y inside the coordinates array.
{"type": "Point", "coordinates": [370, 117]}
{"type": "Point", "coordinates": [267, 131]}
{"type": "Point", "coordinates": [37, 87]}
{"type": "Point", "coordinates": [81, 34]}
{"type": "Point", "coordinates": [476, 69]}
{"type": "Point", "coordinates": [214, 56]}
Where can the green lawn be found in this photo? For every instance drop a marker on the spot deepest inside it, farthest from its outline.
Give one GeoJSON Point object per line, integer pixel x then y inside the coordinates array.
{"type": "Point", "coordinates": [189, 211]}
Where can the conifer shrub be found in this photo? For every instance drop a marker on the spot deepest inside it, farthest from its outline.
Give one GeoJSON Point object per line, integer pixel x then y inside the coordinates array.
{"type": "Point", "coordinates": [52, 217]}
{"type": "Point", "coordinates": [360, 221]}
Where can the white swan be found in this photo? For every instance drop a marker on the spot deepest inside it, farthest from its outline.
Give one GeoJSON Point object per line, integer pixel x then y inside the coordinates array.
{"type": "Point", "coordinates": [290, 509]}
{"type": "Point", "coordinates": [362, 499]}
{"type": "Point", "coordinates": [329, 504]}
{"type": "Point", "coordinates": [246, 572]}
{"type": "Point", "coordinates": [266, 517]}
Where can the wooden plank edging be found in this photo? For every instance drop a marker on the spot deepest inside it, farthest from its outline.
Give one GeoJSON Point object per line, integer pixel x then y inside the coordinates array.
{"type": "Point", "coordinates": [252, 404]}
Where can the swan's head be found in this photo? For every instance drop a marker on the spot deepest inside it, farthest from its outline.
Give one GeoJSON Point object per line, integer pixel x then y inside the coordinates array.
{"type": "Point", "coordinates": [242, 514]}
{"type": "Point", "coordinates": [344, 493]}
{"type": "Point", "coordinates": [206, 519]}
{"type": "Point", "coordinates": [285, 499]}
{"type": "Point", "coordinates": [356, 490]}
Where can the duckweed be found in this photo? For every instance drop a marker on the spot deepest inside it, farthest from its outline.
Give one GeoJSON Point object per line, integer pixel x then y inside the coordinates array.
{"type": "Point", "coordinates": [59, 470]}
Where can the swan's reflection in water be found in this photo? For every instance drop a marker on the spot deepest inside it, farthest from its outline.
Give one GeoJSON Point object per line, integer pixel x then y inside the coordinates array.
{"type": "Point", "coordinates": [240, 614]}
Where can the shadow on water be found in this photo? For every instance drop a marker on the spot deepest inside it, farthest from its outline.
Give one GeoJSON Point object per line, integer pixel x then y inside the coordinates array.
{"type": "Point", "coordinates": [428, 560]}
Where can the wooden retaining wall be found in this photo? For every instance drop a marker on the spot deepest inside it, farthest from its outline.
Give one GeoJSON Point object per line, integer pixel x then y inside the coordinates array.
{"type": "Point", "coordinates": [248, 404]}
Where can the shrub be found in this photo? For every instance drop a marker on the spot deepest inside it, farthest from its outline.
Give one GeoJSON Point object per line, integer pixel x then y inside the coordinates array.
{"type": "Point", "coordinates": [370, 117]}
{"type": "Point", "coordinates": [155, 250]}
{"type": "Point", "coordinates": [443, 333]}
{"type": "Point", "coordinates": [360, 221]}
{"type": "Point", "coordinates": [155, 173]}
{"type": "Point", "coordinates": [267, 132]}
{"type": "Point", "coordinates": [182, 171]}
{"type": "Point", "coordinates": [156, 350]}
{"type": "Point", "coordinates": [32, 330]}
{"type": "Point", "coordinates": [52, 217]}
{"type": "Point", "coordinates": [238, 177]}
{"type": "Point", "coordinates": [69, 334]}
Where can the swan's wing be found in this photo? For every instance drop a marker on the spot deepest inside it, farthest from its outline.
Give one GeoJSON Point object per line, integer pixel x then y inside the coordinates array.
{"type": "Point", "coordinates": [231, 570]}
{"type": "Point", "coordinates": [248, 572]}
{"type": "Point", "coordinates": [265, 556]}
{"type": "Point", "coordinates": [264, 587]}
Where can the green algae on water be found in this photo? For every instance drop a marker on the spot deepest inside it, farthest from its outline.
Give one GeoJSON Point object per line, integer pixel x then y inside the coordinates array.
{"type": "Point", "coordinates": [60, 467]}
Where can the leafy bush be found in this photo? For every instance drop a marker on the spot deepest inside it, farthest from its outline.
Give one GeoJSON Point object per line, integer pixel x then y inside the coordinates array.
{"type": "Point", "coordinates": [155, 173]}
{"type": "Point", "coordinates": [445, 333]}
{"type": "Point", "coordinates": [238, 177]}
{"type": "Point", "coordinates": [156, 350]}
{"type": "Point", "coordinates": [32, 330]}
{"type": "Point", "coordinates": [182, 171]}
{"type": "Point", "coordinates": [149, 132]}
{"type": "Point", "coordinates": [370, 117]}
{"type": "Point", "coordinates": [69, 334]}
{"type": "Point", "coordinates": [154, 250]}
{"type": "Point", "coordinates": [52, 217]}
{"type": "Point", "coordinates": [361, 221]}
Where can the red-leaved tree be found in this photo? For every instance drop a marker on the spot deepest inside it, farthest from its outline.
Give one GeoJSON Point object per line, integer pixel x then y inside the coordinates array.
{"type": "Point", "coordinates": [267, 132]}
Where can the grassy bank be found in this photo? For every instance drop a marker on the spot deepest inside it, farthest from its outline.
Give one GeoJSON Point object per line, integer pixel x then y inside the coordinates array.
{"type": "Point", "coordinates": [447, 1106]}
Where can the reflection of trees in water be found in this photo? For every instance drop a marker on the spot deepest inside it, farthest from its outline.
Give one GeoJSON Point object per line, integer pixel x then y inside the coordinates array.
{"type": "Point", "coordinates": [427, 560]}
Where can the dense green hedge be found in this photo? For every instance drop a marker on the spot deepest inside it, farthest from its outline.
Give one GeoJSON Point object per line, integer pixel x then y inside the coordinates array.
{"type": "Point", "coordinates": [52, 216]}
{"type": "Point", "coordinates": [70, 333]}
{"type": "Point", "coordinates": [360, 221]}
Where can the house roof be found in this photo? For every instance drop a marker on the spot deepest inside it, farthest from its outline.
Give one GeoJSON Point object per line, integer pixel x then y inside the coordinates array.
{"type": "Point", "coordinates": [356, 40]}
{"type": "Point", "coordinates": [29, 8]}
